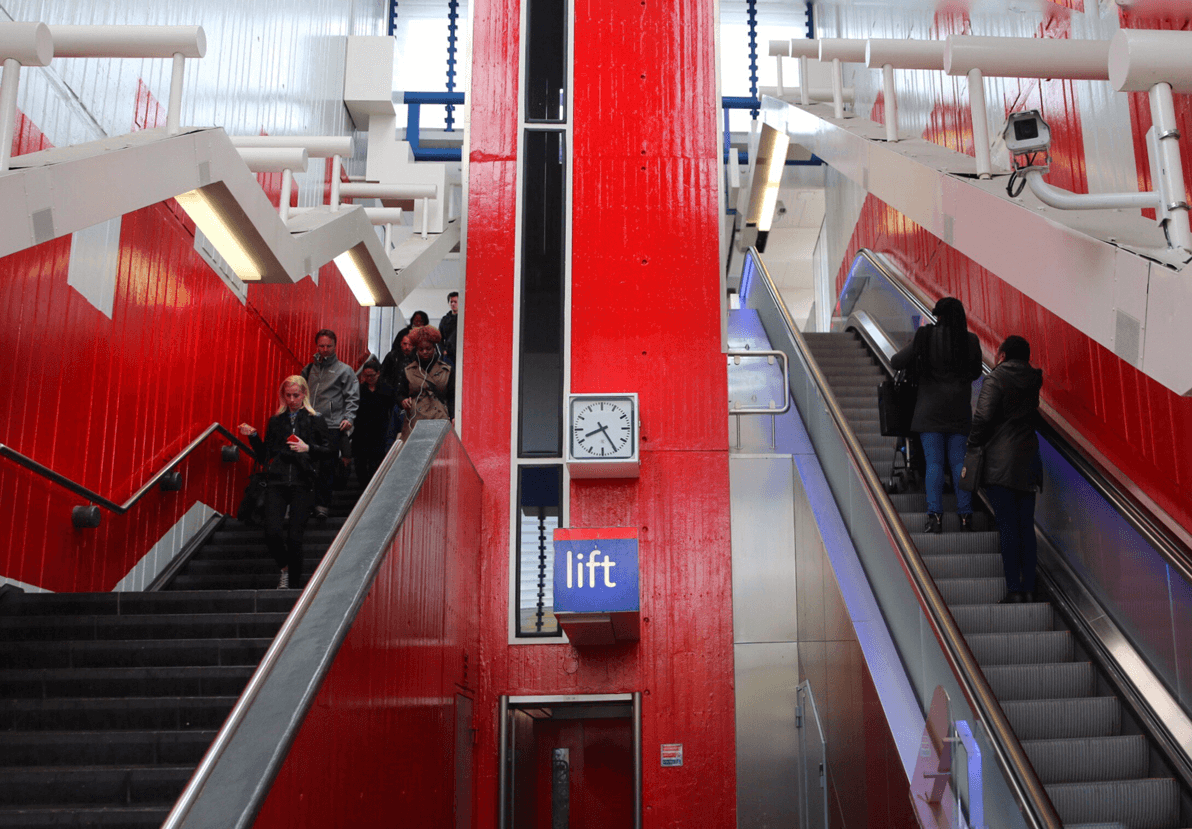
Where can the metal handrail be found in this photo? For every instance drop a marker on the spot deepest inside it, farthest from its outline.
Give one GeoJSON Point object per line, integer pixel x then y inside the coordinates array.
{"type": "Point", "coordinates": [234, 720]}
{"type": "Point", "coordinates": [1143, 520]}
{"type": "Point", "coordinates": [737, 354]}
{"type": "Point", "coordinates": [120, 509]}
{"type": "Point", "coordinates": [1023, 781]}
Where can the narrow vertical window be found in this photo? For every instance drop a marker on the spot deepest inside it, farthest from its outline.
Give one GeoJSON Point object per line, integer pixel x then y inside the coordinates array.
{"type": "Point", "coordinates": [546, 60]}
{"type": "Point", "coordinates": [540, 509]}
{"type": "Point", "coordinates": [540, 403]}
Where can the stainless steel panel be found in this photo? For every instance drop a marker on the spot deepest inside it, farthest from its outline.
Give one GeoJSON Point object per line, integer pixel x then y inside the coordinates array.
{"type": "Point", "coordinates": [763, 531]}
{"type": "Point", "coordinates": [767, 739]}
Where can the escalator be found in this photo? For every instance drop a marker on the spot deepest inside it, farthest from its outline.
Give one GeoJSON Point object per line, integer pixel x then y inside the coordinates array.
{"type": "Point", "coordinates": [1072, 734]}
{"type": "Point", "coordinates": [1078, 740]}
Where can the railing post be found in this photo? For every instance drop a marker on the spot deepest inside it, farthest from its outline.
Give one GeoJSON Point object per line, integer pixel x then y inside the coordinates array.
{"type": "Point", "coordinates": [287, 187]}
{"type": "Point", "coordinates": [335, 167]}
{"type": "Point", "coordinates": [174, 112]}
{"type": "Point", "coordinates": [8, 109]}
{"type": "Point", "coordinates": [837, 88]}
{"type": "Point", "coordinates": [1171, 188]}
{"type": "Point", "coordinates": [804, 82]}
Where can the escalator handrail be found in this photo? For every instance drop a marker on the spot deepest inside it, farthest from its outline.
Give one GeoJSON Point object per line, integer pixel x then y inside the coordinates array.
{"type": "Point", "coordinates": [429, 439]}
{"type": "Point", "coordinates": [1024, 782]}
{"type": "Point", "coordinates": [1138, 516]}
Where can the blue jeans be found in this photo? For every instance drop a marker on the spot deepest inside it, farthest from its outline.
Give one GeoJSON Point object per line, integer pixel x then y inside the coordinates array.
{"type": "Point", "coordinates": [1014, 512]}
{"type": "Point", "coordinates": [938, 448]}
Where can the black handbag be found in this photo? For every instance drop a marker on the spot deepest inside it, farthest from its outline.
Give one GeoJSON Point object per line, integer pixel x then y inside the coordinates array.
{"type": "Point", "coordinates": [252, 505]}
{"type": "Point", "coordinates": [970, 473]}
{"type": "Point", "coordinates": [896, 404]}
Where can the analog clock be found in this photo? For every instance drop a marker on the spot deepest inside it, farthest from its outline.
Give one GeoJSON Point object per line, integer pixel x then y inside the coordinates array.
{"type": "Point", "coordinates": [603, 439]}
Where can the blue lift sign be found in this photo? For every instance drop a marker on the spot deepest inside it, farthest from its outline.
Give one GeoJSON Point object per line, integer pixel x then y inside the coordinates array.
{"type": "Point", "coordinates": [597, 600]}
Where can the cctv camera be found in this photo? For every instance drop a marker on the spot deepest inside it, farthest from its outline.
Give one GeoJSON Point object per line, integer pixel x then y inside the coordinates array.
{"type": "Point", "coordinates": [1026, 132]}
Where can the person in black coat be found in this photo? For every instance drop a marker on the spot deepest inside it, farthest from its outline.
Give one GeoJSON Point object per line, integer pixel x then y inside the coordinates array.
{"type": "Point", "coordinates": [372, 422]}
{"type": "Point", "coordinates": [1004, 425]}
{"type": "Point", "coordinates": [946, 359]}
{"type": "Point", "coordinates": [295, 440]}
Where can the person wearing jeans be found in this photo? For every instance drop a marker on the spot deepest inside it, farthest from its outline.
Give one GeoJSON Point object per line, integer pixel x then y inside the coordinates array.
{"type": "Point", "coordinates": [945, 359]}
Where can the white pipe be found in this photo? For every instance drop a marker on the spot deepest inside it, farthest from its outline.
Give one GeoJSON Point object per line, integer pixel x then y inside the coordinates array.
{"type": "Point", "coordinates": [1172, 187]}
{"type": "Point", "coordinates": [837, 89]}
{"type": "Point", "coordinates": [335, 164]}
{"type": "Point", "coordinates": [904, 54]}
{"type": "Point", "coordinates": [891, 102]}
{"type": "Point", "coordinates": [1065, 200]}
{"type": "Point", "coordinates": [779, 60]}
{"type": "Point", "coordinates": [801, 48]}
{"type": "Point", "coordinates": [8, 108]}
{"type": "Point", "coordinates": [174, 111]}
{"type": "Point", "coordinates": [29, 44]}
{"type": "Point", "coordinates": [287, 187]}
{"type": "Point", "coordinates": [261, 160]}
{"type": "Point", "coordinates": [976, 88]}
{"type": "Point", "coordinates": [804, 95]}
{"type": "Point", "coordinates": [372, 190]}
{"type": "Point", "coordinates": [851, 50]}
{"type": "Point", "coordinates": [377, 216]}
{"type": "Point", "coordinates": [388, 237]}
{"type": "Point", "coordinates": [128, 41]}
{"type": "Point", "coordinates": [1028, 57]}
{"type": "Point", "coordinates": [316, 146]}
{"type": "Point", "coordinates": [1141, 58]}
{"type": "Point", "coordinates": [425, 217]}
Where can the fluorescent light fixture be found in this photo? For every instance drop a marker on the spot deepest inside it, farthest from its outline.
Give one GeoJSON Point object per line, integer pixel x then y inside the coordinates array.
{"type": "Point", "coordinates": [767, 176]}
{"type": "Point", "coordinates": [222, 235]}
{"type": "Point", "coordinates": [354, 275]}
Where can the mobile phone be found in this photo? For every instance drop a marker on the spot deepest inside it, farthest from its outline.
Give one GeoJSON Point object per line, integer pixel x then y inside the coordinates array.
{"type": "Point", "coordinates": [293, 439]}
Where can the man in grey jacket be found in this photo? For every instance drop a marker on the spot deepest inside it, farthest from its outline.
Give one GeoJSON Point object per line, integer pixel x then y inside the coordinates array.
{"type": "Point", "coordinates": [335, 394]}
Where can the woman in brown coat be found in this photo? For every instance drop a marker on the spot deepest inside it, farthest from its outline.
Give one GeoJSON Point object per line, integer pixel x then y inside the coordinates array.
{"type": "Point", "coordinates": [426, 388]}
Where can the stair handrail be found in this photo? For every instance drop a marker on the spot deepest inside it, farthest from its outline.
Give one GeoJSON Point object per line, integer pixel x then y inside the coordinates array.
{"type": "Point", "coordinates": [1101, 477]}
{"type": "Point", "coordinates": [1024, 783]}
{"type": "Point", "coordinates": [89, 515]}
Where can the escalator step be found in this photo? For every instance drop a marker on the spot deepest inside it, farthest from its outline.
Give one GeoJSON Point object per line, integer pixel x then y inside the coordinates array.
{"type": "Point", "coordinates": [1150, 803]}
{"type": "Point", "coordinates": [963, 566]}
{"type": "Point", "coordinates": [1045, 681]}
{"type": "Point", "coordinates": [136, 603]}
{"type": "Point", "coordinates": [914, 521]}
{"type": "Point", "coordinates": [133, 653]}
{"type": "Point", "coordinates": [917, 502]}
{"type": "Point", "coordinates": [1032, 647]}
{"type": "Point", "coordinates": [74, 713]}
{"type": "Point", "coordinates": [93, 748]}
{"type": "Point", "coordinates": [958, 543]}
{"type": "Point", "coordinates": [46, 785]}
{"type": "Point", "coordinates": [119, 628]}
{"type": "Point", "coordinates": [972, 591]}
{"type": "Point", "coordinates": [1053, 719]}
{"type": "Point", "coordinates": [130, 682]}
{"type": "Point", "coordinates": [1088, 759]}
{"type": "Point", "coordinates": [1003, 618]}
{"type": "Point", "coordinates": [95, 817]}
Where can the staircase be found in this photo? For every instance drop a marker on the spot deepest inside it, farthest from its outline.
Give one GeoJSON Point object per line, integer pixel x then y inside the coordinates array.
{"type": "Point", "coordinates": [108, 701]}
{"type": "Point", "coordinates": [1061, 709]}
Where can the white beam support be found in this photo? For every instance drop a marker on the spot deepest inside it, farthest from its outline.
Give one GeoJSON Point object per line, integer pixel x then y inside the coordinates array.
{"type": "Point", "coordinates": [316, 146]}
{"type": "Point", "coordinates": [8, 109]}
{"type": "Point", "coordinates": [274, 160]}
{"type": "Point", "coordinates": [1171, 188]}
{"type": "Point", "coordinates": [1065, 200]}
{"type": "Point", "coordinates": [174, 110]}
{"type": "Point", "coordinates": [1027, 57]}
{"type": "Point", "coordinates": [891, 101]}
{"type": "Point", "coordinates": [976, 89]}
{"type": "Point", "coordinates": [128, 41]}
{"type": "Point", "coordinates": [372, 190]}
{"type": "Point", "coordinates": [804, 70]}
{"type": "Point", "coordinates": [29, 44]}
{"type": "Point", "coordinates": [287, 189]}
{"type": "Point", "coordinates": [336, 164]}
{"type": "Point", "coordinates": [377, 216]}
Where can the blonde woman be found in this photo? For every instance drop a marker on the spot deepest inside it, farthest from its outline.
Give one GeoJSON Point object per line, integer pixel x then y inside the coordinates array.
{"type": "Point", "coordinates": [295, 440]}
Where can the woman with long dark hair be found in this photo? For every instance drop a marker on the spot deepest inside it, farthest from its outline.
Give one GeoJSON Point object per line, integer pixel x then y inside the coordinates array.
{"type": "Point", "coordinates": [295, 440]}
{"type": "Point", "coordinates": [947, 359]}
{"type": "Point", "coordinates": [426, 389]}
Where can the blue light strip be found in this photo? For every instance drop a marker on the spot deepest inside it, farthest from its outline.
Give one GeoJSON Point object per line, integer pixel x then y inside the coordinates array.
{"type": "Point", "coordinates": [976, 795]}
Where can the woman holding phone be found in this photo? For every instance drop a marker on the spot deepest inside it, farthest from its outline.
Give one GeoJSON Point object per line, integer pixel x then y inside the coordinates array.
{"type": "Point", "coordinates": [295, 440]}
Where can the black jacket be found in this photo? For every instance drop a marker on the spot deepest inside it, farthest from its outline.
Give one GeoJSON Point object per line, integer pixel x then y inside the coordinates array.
{"type": "Point", "coordinates": [283, 465]}
{"type": "Point", "coordinates": [944, 401]}
{"type": "Point", "coordinates": [1004, 423]}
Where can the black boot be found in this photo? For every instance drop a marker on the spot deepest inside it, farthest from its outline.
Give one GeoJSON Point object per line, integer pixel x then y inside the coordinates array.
{"type": "Point", "coordinates": [966, 523]}
{"type": "Point", "coordinates": [935, 523]}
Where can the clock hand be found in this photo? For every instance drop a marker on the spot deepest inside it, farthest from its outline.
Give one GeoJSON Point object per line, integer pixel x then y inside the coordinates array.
{"type": "Point", "coordinates": [609, 439]}
{"type": "Point", "coordinates": [597, 430]}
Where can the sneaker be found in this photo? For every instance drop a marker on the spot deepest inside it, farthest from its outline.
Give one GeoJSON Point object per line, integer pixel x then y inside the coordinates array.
{"type": "Point", "coordinates": [935, 523]}
{"type": "Point", "coordinates": [321, 513]}
{"type": "Point", "coordinates": [966, 523]}
{"type": "Point", "coordinates": [284, 582]}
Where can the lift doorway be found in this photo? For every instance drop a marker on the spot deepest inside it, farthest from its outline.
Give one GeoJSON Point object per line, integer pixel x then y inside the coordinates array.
{"type": "Point", "coordinates": [571, 762]}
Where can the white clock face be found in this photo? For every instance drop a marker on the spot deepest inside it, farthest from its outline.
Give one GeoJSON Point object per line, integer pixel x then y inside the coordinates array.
{"type": "Point", "coordinates": [601, 429]}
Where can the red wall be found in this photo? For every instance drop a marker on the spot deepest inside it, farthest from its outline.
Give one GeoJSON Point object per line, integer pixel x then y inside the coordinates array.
{"type": "Point", "coordinates": [377, 747]}
{"type": "Point", "coordinates": [1141, 427]}
{"type": "Point", "coordinates": [108, 401]}
{"type": "Point", "coordinates": [645, 317]}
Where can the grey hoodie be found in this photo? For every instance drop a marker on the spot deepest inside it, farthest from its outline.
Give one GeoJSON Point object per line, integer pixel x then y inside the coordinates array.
{"type": "Point", "coordinates": [334, 391]}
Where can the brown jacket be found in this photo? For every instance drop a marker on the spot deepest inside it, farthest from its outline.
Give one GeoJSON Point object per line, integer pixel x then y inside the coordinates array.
{"type": "Point", "coordinates": [431, 391]}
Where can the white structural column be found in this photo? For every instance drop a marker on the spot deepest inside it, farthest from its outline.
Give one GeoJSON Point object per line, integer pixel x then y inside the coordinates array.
{"type": "Point", "coordinates": [174, 110]}
{"type": "Point", "coordinates": [891, 102]}
{"type": "Point", "coordinates": [8, 108]}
